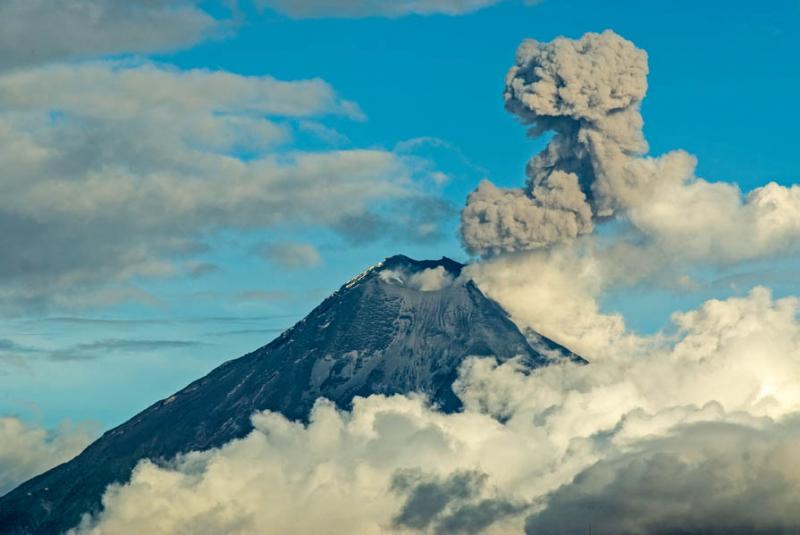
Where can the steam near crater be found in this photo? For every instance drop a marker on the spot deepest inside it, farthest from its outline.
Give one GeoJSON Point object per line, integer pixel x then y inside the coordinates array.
{"type": "Point", "coordinates": [427, 280]}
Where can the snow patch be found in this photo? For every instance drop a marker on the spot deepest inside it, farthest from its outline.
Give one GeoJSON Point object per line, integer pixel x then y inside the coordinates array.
{"type": "Point", "coordinates": [361, 276]}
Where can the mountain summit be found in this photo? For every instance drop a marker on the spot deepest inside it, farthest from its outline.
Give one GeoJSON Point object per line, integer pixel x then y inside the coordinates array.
{"type": "Point", "coordinates": [402, 326]}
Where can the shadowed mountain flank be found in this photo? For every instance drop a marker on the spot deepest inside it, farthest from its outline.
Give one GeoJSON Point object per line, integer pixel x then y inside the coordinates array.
{"type": "Point", "coordinates": [402, 326]}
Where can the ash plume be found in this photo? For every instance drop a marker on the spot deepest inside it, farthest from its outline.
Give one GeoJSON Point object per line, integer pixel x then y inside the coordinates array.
{"type": "Point", "coordinates": [587, 92]}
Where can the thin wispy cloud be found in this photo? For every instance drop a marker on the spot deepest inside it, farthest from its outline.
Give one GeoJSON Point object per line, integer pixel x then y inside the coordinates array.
{"type": "Point", "coordinates": [301, 9]}
{"type": "Point", "coordinates": [14, 356]}
{"type": "Point", "coordinates": [247, 332]}
{"type": "Point", "coordinates": [102, 348]}
{"type": "Point", "coordinates": [159, 321]}
{"type": "Point", "coordinates": [291, 255]}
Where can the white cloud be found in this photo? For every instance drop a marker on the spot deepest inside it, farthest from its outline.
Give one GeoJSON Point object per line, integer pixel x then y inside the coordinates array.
{"type": "Point", "coordinates": [116, 170]}
{"type": "Point", "coordinates": [27, 450]}
{"type": "Point", "coordinates": [713, 222]}
{"type": "Point", "coordinates": [373, 8]}
{"type": "Point", "coordinates": [40, 31]}
{"type": "Point", "coordinates": [124, 90]}
{"type": "Point", "coordinates": [394, 463]}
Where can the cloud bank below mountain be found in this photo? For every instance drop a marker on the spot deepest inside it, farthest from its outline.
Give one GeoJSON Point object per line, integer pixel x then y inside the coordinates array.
{"type": "Point", "coordinates": [27, 450]}
{"type": "Point", "coordinates": [715, 408]}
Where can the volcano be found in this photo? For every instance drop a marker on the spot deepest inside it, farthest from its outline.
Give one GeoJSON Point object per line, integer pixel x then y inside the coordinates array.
{"type": "Point", "coordinates": [402, 326]}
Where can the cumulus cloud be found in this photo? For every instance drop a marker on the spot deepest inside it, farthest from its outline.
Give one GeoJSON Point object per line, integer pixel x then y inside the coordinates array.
{"type": "Point", "coordinates": [705, 222]}
{"type": "Point", "coordinates": [114, 170]}
{"type": "Point", "coordinates": [587, 92]}
{"type": "Point", "coordinates": [717, 396]}
{"type": "Point", "coordinates": [27, 450]}
{"type": "Point", "coordinates": [40, 31]}
{"type": "Point", "coordinates": [291, 255]}
{"type": "Point", "coordinates": [373, 8]}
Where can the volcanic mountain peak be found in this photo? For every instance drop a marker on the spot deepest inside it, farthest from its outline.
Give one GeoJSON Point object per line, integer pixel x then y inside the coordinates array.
{"type": "Point", "coordinates": [401, 326]}
{"type": "Point", "coordinates": [402, 261]}
{"type": "Point", "coordinates": [399, 268]}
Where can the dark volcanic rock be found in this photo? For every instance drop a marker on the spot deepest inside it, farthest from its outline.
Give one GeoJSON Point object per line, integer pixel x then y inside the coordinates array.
{"type": "Point", "coordinates": [376, 334]}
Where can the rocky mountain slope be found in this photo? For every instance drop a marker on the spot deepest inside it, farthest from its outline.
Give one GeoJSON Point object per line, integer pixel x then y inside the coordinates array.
{"type": "Point", "coordinates": [402, 326]}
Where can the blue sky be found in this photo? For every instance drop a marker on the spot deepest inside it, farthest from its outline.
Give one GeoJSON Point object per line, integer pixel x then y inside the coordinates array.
{"type": "Point", "coordinates": [722, 85]}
